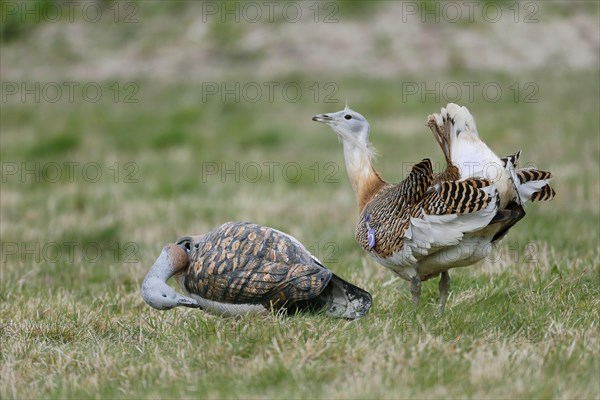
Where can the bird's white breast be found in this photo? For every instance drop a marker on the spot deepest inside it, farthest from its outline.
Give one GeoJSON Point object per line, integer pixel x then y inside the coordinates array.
{"type": "Point", "coordinates": [471, 249]}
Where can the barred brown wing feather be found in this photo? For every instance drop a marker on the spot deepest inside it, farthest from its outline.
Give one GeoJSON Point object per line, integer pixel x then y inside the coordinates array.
{"type": "Point", "coordinates": [478, 182]}
{"type": "Point", "coordinates": [417, 182]}
{"type": "Point", "coordinates": [458, 197]}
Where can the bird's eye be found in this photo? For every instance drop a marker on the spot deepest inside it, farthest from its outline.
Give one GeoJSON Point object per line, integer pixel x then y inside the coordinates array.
{"type": "Point", "coordinates": [164, 295]}
{"type": "Point", "coordinates": [348, 116]}
{"type": "Point", "coordinates": [185, 242]}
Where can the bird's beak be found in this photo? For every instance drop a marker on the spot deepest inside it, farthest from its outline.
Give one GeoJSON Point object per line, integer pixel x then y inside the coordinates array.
{"type": "Point", "coordinates": [322, 118]}
{"type": "Point", "coordinates": [187, 302]}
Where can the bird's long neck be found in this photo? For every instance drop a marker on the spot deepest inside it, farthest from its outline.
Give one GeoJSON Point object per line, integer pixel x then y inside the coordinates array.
{"type": "Point", "coordinates": [162, 268]}
{"type": "Point", "coordinates": [365, 180]}
{"type": "Point", "coordinates": [157, 276]}
{"type": "Point", "coordinates": [170, 261]}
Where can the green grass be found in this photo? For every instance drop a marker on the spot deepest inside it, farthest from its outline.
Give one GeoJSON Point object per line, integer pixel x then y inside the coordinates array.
{"type": "Point", "coordinates": [74, 325]}
{"type": "Point", "coordinates": [76, 247]}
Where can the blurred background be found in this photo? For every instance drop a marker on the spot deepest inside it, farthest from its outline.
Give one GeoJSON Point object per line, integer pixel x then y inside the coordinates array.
{"type": "Point", "coordinates": [144, 121]}
{"type": "Point", "coordinates": [125, 125]}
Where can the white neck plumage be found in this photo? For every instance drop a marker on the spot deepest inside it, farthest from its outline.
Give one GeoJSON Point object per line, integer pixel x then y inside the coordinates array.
{"type": "Point", "coordinates": [363, 177]}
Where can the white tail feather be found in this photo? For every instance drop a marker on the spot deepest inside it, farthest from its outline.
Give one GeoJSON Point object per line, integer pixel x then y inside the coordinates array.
{"type": "Point", "coordinates": [512, 172]}
{"type": "Point", "coordinates": [527, 189]}
{"type": "Point", "coordinates": [462, 119]}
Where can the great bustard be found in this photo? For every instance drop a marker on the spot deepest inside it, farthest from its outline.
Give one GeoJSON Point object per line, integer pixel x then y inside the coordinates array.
{"type": "Point", "coordinates": [429, 223]}
{"type": "Point", "coordinates": [240, 268]}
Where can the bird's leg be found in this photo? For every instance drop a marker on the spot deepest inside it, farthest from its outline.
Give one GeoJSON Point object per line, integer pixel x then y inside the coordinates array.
{"type": "Point", "coordinates": [415, 289]}
{"type": "Point", "coordinates": [444, 287]}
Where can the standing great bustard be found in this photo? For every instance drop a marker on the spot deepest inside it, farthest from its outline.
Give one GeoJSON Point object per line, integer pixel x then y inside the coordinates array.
{"type": "Point", "coordinates": [428, 223]}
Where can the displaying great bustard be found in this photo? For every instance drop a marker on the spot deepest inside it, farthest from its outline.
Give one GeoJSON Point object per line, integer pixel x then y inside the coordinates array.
{"type": "Point", "coordinates": [240, 268]}
{"type": "Point", "coordinates": [429, 223]}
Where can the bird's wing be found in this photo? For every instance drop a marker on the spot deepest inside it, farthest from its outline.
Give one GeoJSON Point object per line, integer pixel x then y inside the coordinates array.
{"type": "Point", "coordinates": [449, 211]}
{"type": "Point", "coordinates": [457, 197]}
{"type": "Point", "coordinates": [384, 219]}
{"type": "Point", "coordinates": [393, 228]}
{"type": "Point", "coordinates": [414, 186]}
{"type": "Point", "coordinates": [246, 263]}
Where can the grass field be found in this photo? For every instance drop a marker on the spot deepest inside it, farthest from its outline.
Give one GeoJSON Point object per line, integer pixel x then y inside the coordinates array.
{"type": "Point", "coordinates": [91, 191]}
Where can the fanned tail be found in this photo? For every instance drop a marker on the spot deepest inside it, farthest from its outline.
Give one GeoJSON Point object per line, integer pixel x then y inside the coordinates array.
{"type": "Point", "coordinates": [546, 193]}
{"type": "Point", "coordinates": [456, 133]}
{"type": "Point", "coordinates": [513, 158]}
{"type": "Point", "coordinates": [534, 185]}
{"type": "Point", "coordinates": [529, 184]}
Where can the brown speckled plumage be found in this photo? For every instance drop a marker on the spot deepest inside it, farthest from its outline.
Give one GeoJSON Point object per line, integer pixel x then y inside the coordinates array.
{"type": "Point", "coordinates": [243, 268]}
{"type": "Point", "coordinates": [390, 210]}
{"type": "Point", "coordinates": [430, 223]}
{"type": "Point", "coordinates": [247, 263]}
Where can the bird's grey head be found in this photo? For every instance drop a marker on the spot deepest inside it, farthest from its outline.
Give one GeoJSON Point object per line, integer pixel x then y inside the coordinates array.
{"type": "Point", "coordinates": [348, 124]}
{"type": "Point", "coordinates": [155, 290]}
{"type": "Point", "coordinates": [161, 296]}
